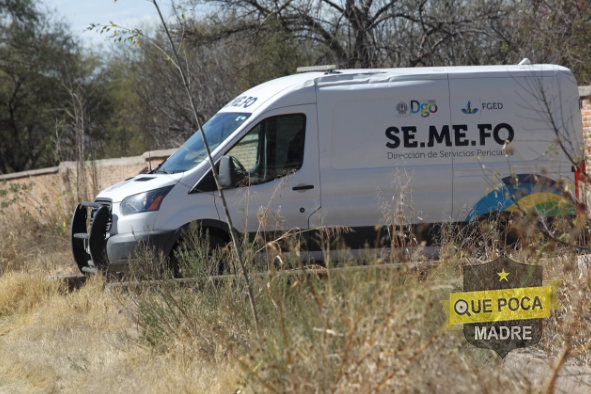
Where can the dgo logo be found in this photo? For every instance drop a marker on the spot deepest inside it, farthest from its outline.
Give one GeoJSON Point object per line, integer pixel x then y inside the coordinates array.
{"type": "Point", "coordinates": [424, 109]}
{"type": "Point", "coordinates": [502, 305]}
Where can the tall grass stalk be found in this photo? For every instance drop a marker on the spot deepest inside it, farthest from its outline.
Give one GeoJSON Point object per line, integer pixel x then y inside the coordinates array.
{"type": "Point", "coordinates": [212, 165]}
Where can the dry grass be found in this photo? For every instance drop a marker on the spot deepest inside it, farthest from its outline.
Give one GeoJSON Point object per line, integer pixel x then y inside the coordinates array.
{"type": "Point", "coordinates": [31, 243]}
{"type": "Point", "coordinates": [372, 330]}
{"type": "Point", "coordinates": [86, 341]}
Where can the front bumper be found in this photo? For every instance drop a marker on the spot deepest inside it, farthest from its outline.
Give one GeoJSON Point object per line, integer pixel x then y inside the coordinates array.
{"type": "Point", "coordinates": [95, 249]}
{"type": "Point", "coordinates": [122, 247]}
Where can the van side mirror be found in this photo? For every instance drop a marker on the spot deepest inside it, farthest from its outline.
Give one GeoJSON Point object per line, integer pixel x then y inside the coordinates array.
{"type": "Point", "coordinates": [226, 172]}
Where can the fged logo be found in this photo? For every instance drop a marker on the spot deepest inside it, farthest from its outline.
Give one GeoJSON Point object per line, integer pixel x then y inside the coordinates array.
{"type": "Point", "coordinates": [469, 110]}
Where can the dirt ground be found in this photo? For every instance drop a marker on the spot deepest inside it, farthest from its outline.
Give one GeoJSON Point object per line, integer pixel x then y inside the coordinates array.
{"type": "Point", "coordinates": [533, 368]}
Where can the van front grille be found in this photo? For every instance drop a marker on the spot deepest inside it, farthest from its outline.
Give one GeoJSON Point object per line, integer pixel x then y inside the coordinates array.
{"type": "Point", "coordinates": [108, 203]}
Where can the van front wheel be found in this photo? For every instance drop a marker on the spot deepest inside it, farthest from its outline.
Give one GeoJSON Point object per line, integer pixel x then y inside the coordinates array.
{"type": "Point", "coordinates": [199, 257]}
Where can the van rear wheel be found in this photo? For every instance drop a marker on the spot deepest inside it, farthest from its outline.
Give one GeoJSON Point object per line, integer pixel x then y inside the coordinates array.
{"type": "Point", "coordinates": [491, 232]}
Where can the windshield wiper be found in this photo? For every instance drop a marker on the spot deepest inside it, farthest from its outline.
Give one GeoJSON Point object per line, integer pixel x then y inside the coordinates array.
{"type": "Point", "coordinates": [163, 172]}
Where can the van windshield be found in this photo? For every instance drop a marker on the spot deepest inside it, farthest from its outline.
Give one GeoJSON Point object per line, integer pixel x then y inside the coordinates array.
{"type": "Point", "coordinates": [193, 152]}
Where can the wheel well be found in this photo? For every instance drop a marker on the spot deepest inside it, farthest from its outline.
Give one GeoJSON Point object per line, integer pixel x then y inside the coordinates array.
{"type": "Point", "coordinates": [211, 230]}
{"type": "Point", "coordinates": [502, 220]}
{"type": "Point", "coordinates": [218, 233]}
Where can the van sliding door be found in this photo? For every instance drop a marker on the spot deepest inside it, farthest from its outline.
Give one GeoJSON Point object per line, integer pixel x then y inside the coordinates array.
{"type": "Point", "coordinates": [385, 155]}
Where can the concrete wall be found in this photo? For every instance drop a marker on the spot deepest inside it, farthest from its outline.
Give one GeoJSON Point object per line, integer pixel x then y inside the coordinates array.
{"type": "Point", "coordinates": [64, 186]}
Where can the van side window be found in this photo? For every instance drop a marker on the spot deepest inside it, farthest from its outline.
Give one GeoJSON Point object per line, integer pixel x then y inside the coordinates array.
{"type": "Point", "coordinates": [272, 149]}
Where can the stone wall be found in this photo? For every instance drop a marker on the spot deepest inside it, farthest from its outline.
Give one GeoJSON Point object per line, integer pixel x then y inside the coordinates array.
{"type": "Point", "coordinates": [63, 187]}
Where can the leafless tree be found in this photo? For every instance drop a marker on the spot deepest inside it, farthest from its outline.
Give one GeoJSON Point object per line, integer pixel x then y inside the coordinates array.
{"type": "Point", "coordinates": [377, 33]}
{"type": "Point", "coordinates": [550, 32]}
{"type": "Point", "coordinates": [166, 116]}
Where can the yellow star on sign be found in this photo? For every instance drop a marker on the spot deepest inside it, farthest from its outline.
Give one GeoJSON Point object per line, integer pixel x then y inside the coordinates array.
{"type": "Point", "coordinates": [503, 275]}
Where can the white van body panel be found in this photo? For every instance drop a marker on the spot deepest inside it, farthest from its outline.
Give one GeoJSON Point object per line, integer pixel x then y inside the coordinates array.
{"type": "Point", "coordinates": [571, 114]}
{"type": "Point", "coordinates": [360, 174]}
{"type": "Point", "coordinates": [179, 207]}
{"type": "Point", "coordinates": [281, 92]}
{"type": "Point", "coordinates": [518, 103]}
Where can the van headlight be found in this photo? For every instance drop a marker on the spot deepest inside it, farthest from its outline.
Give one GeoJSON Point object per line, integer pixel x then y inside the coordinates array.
{"type": "Point", "coordinates": [144, 202]}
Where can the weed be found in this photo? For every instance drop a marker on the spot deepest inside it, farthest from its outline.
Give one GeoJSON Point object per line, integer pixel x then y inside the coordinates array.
{"type": "Point", "coordinates": [367, 327]}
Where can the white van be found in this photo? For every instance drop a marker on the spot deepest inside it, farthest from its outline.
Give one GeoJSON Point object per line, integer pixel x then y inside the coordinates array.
{"type": "Point", "coordinates": [328, 149]}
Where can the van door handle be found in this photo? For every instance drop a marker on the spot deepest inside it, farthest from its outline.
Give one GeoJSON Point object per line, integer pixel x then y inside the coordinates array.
{"type": "Point", "coordinates": [303, 187]}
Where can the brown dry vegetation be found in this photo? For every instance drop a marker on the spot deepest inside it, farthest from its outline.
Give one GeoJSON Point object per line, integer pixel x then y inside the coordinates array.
{"type": "Point", "coordinates": [376, 329]}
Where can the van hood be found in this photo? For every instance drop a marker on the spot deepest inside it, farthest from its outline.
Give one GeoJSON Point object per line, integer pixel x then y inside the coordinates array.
{"type": "Point", "coordinates": [139, 184]}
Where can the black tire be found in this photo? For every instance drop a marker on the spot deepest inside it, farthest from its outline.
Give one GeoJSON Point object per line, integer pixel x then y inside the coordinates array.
{"type": "Point", "coordinates": [494, 231]}
{"type": "Point", "coordinates": [215, 242]}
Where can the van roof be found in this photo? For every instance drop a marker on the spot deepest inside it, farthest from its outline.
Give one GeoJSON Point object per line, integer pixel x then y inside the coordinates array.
{"type": "Point", "coordinates": [450, 72]}
{"type": "Point", "coordinates": [270, 91]}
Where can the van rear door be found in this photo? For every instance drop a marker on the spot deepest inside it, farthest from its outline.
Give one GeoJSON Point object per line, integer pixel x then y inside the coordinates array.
{"type": "Point", "coordinates": [508, 158]}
